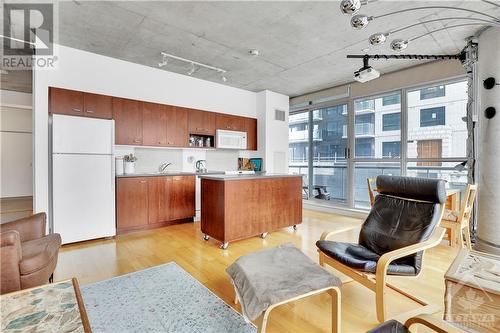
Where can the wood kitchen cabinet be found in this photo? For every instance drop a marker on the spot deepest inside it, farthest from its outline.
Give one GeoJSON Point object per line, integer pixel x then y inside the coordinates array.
{"type": "Point", "coordinates": [177, 126]}
{"type": "Point", "coordinates": [154, 124]}
{"type": "Point", "coordinates": [77, 103]}
{"type": "Point", "coordinates": [251, 129]}
{"type": "Point", "coordinates": [98, 106]}
{"type": "Point", "coordinates": [182, 197]}
{"type": "Point", "coordinates": [229, 122]}
{"type": "Point", "coordinates": [131, 203]}
{"type": "Point", "coordinates": [64, 101]}
{"type": "Point", "coordinates": [128, 121]}
{"type": "Point", "coordinates": [201, 122]}
{"type": "Point", "coordinates": [156, 201]}
{"type": "Point", "coordinates": [159, 197]}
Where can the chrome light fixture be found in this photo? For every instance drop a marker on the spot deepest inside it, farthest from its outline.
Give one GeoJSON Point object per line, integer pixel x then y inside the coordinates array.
{"type": "Point", "coordinates": [360, 21]}
{"type": "Point", "coordinates": [350, 6]}
{"type": "Point", "coordinates": [195, 65]}
{"type": "Point", "coordinates": [191, 70]}
{"type": "Point", "coordinates": [378, 38]}
{"type": "Point", "coordinates": [399, 45]}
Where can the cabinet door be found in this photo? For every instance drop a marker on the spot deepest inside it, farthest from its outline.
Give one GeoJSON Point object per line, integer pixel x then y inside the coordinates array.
{"type": "Point", "coordinates": [154, 124]}
{"type": "Point", "coordinates": [229, 122]}
{"type": "Point", "coordinates": [128, 121]}
{"type": "Point", "coordinates": [64, 101]}
{"type": "Point", "coordinates": [201, 122]}
{"type": "Point", "coordinates": [237, 123]}
{"type": "Point", "coordinates": [131, 203]}
{"type": "Point", "coordinates": [177, 126]}
{"type": "Point", "coordinates": [159, 189]}
{"type": "Point", "coordinates": [182, 197]}
{"type": "Point", "coordinates": [251, 129]}
{"type": "Point", "coordinates": [97, 106]}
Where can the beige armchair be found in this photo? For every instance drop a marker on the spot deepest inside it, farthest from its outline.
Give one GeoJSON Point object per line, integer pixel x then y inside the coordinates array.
{"type": "Point", "coordinates": [28, 255]}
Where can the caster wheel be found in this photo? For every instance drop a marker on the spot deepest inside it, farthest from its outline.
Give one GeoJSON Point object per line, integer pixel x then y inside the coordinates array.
{"type": "Point", "coordinates": [206, 237]}
{"type": "Point", "coordinates": [295, 227]}
{"type": "Point", "coordinates": [224, 246]}
{"type": "Point", "coordinates": [263, 235]}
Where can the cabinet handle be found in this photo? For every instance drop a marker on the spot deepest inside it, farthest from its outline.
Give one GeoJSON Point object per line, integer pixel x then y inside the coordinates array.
{"type": "Point", "coordinates": [137, 140]}
{"type": "Point", "coordinates": [76, 110]}
{"type": "Point", "coordinates": [90, 111]}
{"type": "Point", "coordinates": [142, 181]}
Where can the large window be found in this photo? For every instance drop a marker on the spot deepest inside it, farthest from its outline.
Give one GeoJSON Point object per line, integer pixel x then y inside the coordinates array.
{"type": "Point", "coordinates": [432, 92]}
{"type": "Point", "coordinates": [433, 116]}
{"type": "Point", "coordinates": [391, 122]}
{"type": "Point", "coordinates": [423, 137]}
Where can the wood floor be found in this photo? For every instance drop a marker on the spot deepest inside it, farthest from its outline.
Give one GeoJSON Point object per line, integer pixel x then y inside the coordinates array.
{"type": "Point", "coordinates": [103, 259]}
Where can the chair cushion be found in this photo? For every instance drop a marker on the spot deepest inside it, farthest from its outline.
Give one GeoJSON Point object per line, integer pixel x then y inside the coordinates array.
{"type": "Point", "coordinates": [450, 215]}
{"type": "Point", "coordinates": [361, 258]}
{"type": "Point", "coordinates": [38, 253]}
{"type": "Point", "coordinates": [390, 326]}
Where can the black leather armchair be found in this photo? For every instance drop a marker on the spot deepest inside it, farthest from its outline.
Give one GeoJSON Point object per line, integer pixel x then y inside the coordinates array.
{"type": "Point", "coordinates": [402, 223]}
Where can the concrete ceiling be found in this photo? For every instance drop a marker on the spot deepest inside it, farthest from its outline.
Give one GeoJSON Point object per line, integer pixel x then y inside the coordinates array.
{"type": "Point", "coordinates": [302, 44]}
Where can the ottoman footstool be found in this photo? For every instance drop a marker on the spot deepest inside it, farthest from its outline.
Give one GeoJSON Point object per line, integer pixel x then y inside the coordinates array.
{"type": "Point", "coordinates": [266, 279]}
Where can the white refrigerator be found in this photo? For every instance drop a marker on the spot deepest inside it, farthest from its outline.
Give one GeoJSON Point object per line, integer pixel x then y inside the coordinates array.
{"type": "Point", "coordinates": [83, 183]}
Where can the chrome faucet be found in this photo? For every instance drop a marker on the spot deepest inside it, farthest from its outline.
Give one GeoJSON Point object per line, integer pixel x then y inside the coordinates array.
{"type": "Point", "coordinates": [163, 166]}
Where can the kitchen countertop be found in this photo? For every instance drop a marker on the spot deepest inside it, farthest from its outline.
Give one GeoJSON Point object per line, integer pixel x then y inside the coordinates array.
{"type": "Point", "coordinates": [262, 175]}
{"type": "Point", "coordinates": [169, 173]}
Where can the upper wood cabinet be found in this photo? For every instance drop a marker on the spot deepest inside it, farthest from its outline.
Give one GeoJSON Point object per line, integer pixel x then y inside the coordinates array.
{"type": "Point", "coordinates": [128, 121]}
{"type": "Point", "coordinates": [63, 101]}
{"type": "Point", "coordinates": [251, 129]}
{"type": "Point", "coordinates": [154, 124]}
{"type": "Point", "coordinates": [77, 103]}
{"type": "Point", "coordinates": [131, 203]}
{"type": "Point", "coordinates": [97, 106]}
{"type": "Point", "coordinates": [177, 126]}
{"type": "Point", "coordinates": [201, 122]}
{"type": "Point", "coordinates": [229, 122]}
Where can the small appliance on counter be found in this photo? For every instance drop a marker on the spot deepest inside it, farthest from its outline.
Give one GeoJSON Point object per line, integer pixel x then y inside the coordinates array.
{"type": "Point", "coordinates": [201, 166]}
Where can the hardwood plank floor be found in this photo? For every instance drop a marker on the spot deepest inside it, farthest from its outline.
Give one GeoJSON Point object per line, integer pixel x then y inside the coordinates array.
{"type": "Point", "coordinates": [102, 259]}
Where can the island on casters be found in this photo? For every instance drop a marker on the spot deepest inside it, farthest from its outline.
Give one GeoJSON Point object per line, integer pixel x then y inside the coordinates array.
{"type": "Point", "coordinates": [235, 207]}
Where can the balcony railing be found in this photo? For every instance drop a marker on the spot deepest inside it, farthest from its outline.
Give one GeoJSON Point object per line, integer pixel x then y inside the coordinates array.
{"type": "Point", "coordinates": [363, 129]}
{"type": "Point", "coordinates": [304, 117]}
{"type": "Point", "coordinates": [364, 106]}
{"type": "Point", "coordinates": [302, 136]}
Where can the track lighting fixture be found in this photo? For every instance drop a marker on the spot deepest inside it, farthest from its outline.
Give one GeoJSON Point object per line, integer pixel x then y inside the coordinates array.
{"type": "Point", "coordinates": [195, 65]}
{"type": "Point", "coordinates": [360, 21]}
{"type": "Point", "coordinates": [399, 45]}
{"type": "Point", "coordinates": [350, 6]}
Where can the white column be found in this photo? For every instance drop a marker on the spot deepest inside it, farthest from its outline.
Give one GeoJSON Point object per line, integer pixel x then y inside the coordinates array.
{"type": "Point", "coordinates": [488, 222]}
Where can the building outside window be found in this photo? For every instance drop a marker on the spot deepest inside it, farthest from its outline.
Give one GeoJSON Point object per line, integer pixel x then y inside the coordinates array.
{"type": "Point", "coordinates": [391, 149]}
{"type": "Point", "coordinates": [433, 116]}
{"type": "Point", "coordinates": [432, 92]}
{"type": "Point", "coordinates": [391, 99]}
{"type": "Point", "coordinates": [391, 121]}
{"type": "Point", "coordinates": [434, 142]}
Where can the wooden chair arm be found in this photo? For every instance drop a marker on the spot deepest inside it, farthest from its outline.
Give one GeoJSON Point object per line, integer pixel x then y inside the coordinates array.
{"type": "Point", "coordinates": [433, 323]}
{"type": "Point", "coordinates": [389, 257]}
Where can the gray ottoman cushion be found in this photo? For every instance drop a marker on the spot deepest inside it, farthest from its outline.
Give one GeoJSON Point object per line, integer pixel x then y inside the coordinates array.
{"type": "Point", "coordinates": [271, 276]}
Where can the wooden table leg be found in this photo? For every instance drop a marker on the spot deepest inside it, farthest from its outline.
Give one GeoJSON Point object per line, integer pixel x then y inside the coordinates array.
{"type": "Point", "coordinates": [336, 311]}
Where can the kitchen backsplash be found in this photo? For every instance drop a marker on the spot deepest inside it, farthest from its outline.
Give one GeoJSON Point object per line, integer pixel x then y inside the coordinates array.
{"type": "Point", "coordinates": [148, 159]}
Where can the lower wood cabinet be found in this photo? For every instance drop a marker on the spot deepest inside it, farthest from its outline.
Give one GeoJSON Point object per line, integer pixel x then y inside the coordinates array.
{"type": "Point", "coordinates": [148, 202]}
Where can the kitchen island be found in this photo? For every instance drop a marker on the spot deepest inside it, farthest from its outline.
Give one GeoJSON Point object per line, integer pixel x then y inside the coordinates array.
{"type": "Point", "coordinates": [235, 207]}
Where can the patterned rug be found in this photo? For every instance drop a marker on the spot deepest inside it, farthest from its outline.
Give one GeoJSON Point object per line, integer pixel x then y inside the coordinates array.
{"type": "Point", "coordinates": [163, 298]}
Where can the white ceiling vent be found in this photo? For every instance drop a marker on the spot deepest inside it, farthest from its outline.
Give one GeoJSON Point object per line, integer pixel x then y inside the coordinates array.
{"type": "Point", "coordinates": [279, 115]}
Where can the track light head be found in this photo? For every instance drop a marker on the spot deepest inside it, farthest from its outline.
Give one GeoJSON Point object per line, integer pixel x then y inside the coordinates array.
{"type": "Point", "coordinates": [399, 45]}
{"type": "Point", "coordinates": [360, 21]}
{"type": "Point", "coordinates": [350, 6]}
{"type": "Point", "coordinates": [378, 38]}
{"type": "Point", "coordinates": [223, 78]}
{"type": "Point", "coordinates": [191, 71]}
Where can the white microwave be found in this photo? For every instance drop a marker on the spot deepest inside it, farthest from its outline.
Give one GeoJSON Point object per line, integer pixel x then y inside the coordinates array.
{"type": "Point", "coordinates": [231, 139]}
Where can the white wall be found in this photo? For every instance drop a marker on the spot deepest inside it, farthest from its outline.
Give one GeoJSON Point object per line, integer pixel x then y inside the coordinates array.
{"type": "Point", "coordinates": [80, 70]}
{"type": "Point", "coordinates": [16, 144]}
{"type": "Point", "coordinates": [272, 134]}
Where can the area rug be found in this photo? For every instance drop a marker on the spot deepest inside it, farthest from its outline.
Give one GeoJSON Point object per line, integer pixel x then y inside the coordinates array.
{"type": "Point", "coordinates": [163, 298]}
